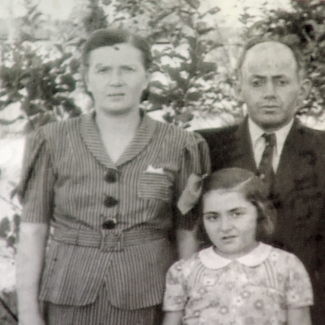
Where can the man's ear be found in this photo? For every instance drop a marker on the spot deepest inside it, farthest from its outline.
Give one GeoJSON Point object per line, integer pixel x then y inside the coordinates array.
{"type": "Point", "coordinates": [238, 91]}
{"type": "Point", "coordinates": [305, 88]}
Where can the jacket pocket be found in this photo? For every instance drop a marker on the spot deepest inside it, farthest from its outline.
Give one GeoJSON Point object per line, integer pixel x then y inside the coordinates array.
{"type": "Point", "coordinates": [155, 186]}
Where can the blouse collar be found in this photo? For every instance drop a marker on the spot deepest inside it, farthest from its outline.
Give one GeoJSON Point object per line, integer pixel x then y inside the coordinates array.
{"type": "Point", "coordinates": [91, 137]}
{"type": "Point", "coordinates": [257, 256]}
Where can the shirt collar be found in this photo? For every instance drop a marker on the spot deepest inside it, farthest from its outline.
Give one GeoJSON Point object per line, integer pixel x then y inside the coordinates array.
{"type": "Point", "coordinates": [281, 135]}
{"type": "Point", "coordinates": [257, 256]}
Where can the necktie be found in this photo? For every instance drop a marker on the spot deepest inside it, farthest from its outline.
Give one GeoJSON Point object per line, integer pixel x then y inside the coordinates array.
{"type": "Point", "coordinates": [265, 168]}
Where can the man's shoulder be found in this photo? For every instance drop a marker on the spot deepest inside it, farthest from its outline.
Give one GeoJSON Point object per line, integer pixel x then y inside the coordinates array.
{"type": "Point", "coordinates": [308, 137]}
{"type": "Point", "coordinates": [219, 136]}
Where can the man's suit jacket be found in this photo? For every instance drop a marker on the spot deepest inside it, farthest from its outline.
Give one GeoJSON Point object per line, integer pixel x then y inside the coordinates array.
{"type": "Point", "coordinates": [299, 191]}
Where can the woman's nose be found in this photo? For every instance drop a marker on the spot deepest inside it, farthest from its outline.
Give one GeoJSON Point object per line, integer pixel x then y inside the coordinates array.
{"type": "Point", "coordinates": [115, 78]}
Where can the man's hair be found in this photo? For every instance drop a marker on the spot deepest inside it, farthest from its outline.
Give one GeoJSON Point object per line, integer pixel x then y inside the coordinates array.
{"type": "Point", "coordinates": [300, 62]}
{"type": "Point", "coordinates": [253, 190]}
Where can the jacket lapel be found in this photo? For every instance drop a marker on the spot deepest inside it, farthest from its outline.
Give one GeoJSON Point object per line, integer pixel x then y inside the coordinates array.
{"type": "Point", "coordinates": [142, 138]}
{"type": "Point", "coordinates": [295, 171]}
{"type": "Point", "coordinates": [243, 155]}
{"type": "Point", "coordinates": [91, 137]}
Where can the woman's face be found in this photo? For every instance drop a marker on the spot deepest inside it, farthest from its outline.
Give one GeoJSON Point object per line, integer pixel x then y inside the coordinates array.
{"type": "Point", "coordinates": [116, 77]}
{"type": "Point", "coordinates": [230, 222]}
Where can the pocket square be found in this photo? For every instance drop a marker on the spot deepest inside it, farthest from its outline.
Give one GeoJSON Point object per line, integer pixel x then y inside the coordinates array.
{"type": "Point", "coordinates": [154, 170]}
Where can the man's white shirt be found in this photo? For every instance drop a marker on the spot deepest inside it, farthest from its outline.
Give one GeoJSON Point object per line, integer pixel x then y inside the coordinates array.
{"type": "Point", "coordinates": [258, 142]}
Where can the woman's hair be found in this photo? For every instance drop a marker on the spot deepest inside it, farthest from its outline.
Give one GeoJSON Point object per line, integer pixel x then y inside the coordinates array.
{"type": "Point", "coordinates": [110, 37]}
{"type": "Point", "coordinates": [252, 188]}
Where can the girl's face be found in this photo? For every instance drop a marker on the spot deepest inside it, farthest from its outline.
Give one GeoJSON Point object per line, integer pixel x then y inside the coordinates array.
{"type": "Point", "coordinates": [230, 222]}
{"type": "Point", "coordinates": [116, 77]}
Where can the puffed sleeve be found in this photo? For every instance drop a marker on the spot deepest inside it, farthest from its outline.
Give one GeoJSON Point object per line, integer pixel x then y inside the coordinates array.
{"type": "Point", "coordinates": [298, 287]}
{"type": "Point", "coordinates": [195, 159]}
{"type": "Point", "coordinates": [175, 297]}
{"type": "Point", "coordinates": [36, 186]}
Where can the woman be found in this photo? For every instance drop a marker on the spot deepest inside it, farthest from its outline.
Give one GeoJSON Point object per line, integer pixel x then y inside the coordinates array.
{"type": "Point", "coordinates": [107, 183]}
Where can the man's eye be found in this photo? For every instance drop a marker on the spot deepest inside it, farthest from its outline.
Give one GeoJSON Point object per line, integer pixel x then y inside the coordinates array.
{"type": "Point", "coordinates": [282, 82]}
{"type": "Point", "coordinates": [257, 83]}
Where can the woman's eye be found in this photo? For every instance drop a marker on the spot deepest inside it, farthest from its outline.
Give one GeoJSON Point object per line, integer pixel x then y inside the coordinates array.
{"type": "Point", "coordinates": [128, 68]}
{"type": "Point", "coordinates": [103, 70]}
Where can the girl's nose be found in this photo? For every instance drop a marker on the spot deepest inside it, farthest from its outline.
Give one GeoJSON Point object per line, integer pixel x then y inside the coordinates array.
{"type": "Point", "coordinates": [226, 223]}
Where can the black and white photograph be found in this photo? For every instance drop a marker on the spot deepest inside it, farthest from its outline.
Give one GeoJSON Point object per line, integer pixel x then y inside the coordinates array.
{"type": "Point", "coordinates": [162, 162]}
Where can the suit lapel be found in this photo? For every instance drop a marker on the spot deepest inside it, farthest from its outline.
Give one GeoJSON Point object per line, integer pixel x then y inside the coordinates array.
{"type": "Point", "coordinates": [243, 155]}
{"type": "Point", "coordinates": [296, 169]}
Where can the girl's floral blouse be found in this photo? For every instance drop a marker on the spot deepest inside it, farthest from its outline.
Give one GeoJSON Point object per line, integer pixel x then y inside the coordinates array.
{"type": "Point", "coordinates": [257, 288]}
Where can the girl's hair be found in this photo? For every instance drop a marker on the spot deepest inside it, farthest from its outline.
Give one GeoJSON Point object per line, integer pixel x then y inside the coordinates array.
{"type": "Point", "coordinates": [252, 188]}
{"type": "Point", "coordinates": [110, 37]}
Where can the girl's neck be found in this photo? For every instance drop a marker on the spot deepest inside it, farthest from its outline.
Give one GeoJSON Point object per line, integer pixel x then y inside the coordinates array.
{"type": "Point", "coordinates": [235, 255]}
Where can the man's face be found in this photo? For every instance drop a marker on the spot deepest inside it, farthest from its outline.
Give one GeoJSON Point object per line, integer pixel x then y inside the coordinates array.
{"type": "Point", "coordinates": [270, 85]}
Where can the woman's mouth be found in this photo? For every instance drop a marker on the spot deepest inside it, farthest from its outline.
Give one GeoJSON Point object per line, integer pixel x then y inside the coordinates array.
{"type": "Point", "coordinates": [228, 238]}
{"type": "Point", "coordinates": [116, 95]}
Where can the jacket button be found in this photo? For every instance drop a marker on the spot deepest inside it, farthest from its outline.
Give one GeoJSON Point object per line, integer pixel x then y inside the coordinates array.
{"type": "Point", "coordinates": [109, 224]}
{"type": "Point", "coordinates": [110, 201]}
{"type": "Point", "coordinates": [110, 177]}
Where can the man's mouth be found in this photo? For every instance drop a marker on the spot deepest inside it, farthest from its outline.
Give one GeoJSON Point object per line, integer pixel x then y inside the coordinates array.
{"type": "Point", "coordinates": [269, 107]}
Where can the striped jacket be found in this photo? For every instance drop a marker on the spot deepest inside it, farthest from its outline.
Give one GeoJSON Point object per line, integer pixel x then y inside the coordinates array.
{"type": "Point", "coordinates": [110, 221]}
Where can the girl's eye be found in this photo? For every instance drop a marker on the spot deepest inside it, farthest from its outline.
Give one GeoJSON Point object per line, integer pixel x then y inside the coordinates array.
{"type": "Point", "coordinates": [236, 214]}
{"type": "Point", "coordinates": [211, 217]}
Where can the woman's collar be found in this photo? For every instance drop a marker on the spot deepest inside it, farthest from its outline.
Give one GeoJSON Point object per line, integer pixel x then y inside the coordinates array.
{"type": "Point", "coordinates": [257, 256]}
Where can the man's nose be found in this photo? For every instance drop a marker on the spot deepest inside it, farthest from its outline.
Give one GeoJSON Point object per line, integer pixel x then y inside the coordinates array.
{"type": "Point", "coordinates": [269, 89]}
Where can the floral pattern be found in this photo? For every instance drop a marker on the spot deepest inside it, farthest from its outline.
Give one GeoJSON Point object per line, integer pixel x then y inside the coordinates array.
{"type": "Point", "coordinates": [255, 289]}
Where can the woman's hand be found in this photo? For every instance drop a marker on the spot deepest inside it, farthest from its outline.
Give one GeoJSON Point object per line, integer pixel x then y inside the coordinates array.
{"type": "Point", "coordinates": [191, 193]}
{"type": "Point", "coordinates": [299, 316]}
{"type": "Point", "coordinates": [30, 261]}
{"type": "Point", "coordinates": [31, 319]}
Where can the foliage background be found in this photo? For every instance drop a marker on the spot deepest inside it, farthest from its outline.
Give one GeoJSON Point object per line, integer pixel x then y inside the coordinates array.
{"type": "Point", "coordinates": [192, 75]}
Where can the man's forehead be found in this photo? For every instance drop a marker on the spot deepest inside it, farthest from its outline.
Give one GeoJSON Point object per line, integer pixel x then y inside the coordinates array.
{"type": "Point", "coordinates": [269, 57]}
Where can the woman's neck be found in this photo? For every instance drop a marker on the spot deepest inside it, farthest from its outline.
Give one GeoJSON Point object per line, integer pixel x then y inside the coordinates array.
{"type": "Point", "coordinates": [118, 125]}
{"type": "Point", "coordinates": [117, 132]}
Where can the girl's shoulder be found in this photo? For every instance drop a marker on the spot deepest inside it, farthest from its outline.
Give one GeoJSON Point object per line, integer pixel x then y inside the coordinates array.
{"type": "Point", "coordinates": [285, 260]}
{"type": "Point", "coordinates": [186, 266]}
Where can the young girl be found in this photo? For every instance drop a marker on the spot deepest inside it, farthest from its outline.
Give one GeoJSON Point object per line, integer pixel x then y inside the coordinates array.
{"type": "Point", "coordinates": [237, 280]}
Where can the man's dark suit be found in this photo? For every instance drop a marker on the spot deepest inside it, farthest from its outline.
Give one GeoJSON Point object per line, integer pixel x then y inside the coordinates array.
{"type": "Point", "coordinates": [298, 195]}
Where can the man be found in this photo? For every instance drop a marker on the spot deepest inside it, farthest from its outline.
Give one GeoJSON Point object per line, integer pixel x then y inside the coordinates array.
{"type": "Point", "coordinates": [288, 156]}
